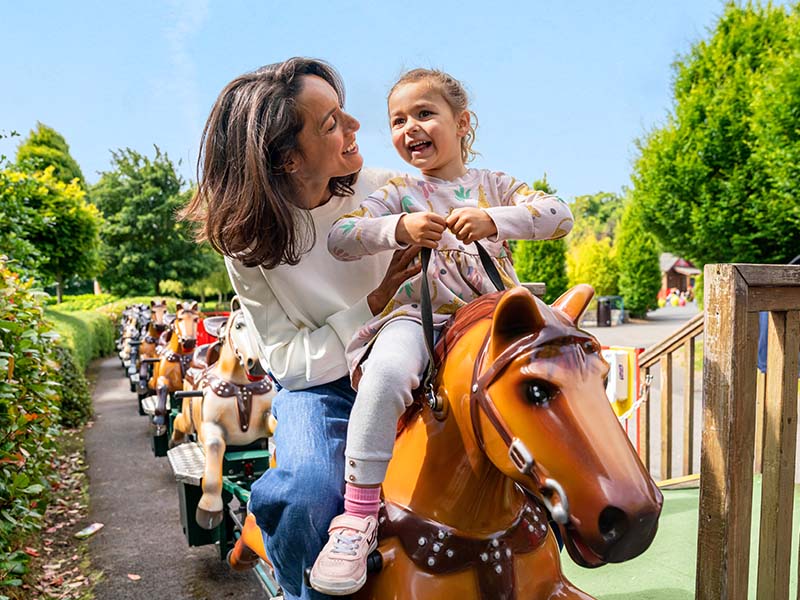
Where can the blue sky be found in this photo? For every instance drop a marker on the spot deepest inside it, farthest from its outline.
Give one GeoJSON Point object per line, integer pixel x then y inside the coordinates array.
{"type": "Point", "coordinates": [562, 88]}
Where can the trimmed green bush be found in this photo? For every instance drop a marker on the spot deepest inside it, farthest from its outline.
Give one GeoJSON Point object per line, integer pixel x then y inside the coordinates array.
{"type": "Point", "coordinates": [542, 261]}
{"type": "Point", "coordinates": [88, 334]}
{"type": "Point", "coordinates": [84, 302]}
{"type": "Point", "coordinates": [637, 256]}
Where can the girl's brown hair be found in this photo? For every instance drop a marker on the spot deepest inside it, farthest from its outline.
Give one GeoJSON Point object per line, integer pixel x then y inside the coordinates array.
{"type": "Point", "coordinates": [452, 90]}
{"type": "Point", "coordinates": [245, 203]}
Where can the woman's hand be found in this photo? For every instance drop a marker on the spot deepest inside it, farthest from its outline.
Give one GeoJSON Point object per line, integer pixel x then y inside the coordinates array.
{"type": "Point", "coordinates": [471, 224]}
{"type": "Point", "coordinates": [421, 229]}
{"type": "Point", "coordinates": [400, 269]}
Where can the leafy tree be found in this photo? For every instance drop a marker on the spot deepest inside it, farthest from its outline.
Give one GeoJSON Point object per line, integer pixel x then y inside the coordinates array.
{"type": "Point", "coordinates": [593, 261]}
{"type": "Point", "coordinates": [542, 260]}
{"type": "Point", "coordinates": [51, 230]}
{"type": "Point", "coordinates": [718, 181]}
{"type": "Point", "coordinates": [596, 214]}
{"type": "Point", "coordinates": [637, 257]}
{"type": "Point", "coordinates": [45, 147]}
{"type": "Point", "coordinates": [215, 282]}
{"type": "Point", "coordinates": [143, 242]}
{"type": "Point", "coordinates": [16, 219]}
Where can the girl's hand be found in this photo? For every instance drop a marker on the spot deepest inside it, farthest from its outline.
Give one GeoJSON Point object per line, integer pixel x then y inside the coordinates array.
{"type": "Point", "coordinates": [420, 229]}
{"type": "Point", "coordinates": [471, 224]}
{"type": "Point", "coordinates": [400, 269]}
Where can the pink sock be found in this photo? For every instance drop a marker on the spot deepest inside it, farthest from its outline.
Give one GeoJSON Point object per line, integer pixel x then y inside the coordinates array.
{"type": "Point", "coordinates": [362, 501]}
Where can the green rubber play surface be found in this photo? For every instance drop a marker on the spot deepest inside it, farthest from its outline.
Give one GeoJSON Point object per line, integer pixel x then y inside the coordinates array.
{"type": "Point", "coordinates": [666, 571]}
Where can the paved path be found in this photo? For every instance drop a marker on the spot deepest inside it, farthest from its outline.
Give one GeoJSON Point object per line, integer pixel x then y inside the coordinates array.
{"type": "Point", "coordinates": [134, 494]}
{"type": "Point", "coordinates": [642, 334]}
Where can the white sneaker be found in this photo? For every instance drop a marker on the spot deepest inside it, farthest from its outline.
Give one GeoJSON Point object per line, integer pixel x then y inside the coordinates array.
{"type": "Point", "coordinates": [341, 567]}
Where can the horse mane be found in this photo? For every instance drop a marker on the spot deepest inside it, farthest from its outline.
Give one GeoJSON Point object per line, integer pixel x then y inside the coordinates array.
{"type": "Point", "coordinates": [453, 330]}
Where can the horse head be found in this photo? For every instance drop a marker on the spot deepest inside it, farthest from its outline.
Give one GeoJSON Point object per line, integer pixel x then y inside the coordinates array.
{"type": "Point", "coordinates": [158, 310]}
{"type": "Point", "coordinates": [538, 409]}
{"type": "Point", "coordinates": [243, 344]}
{"type": "Point", "coordinates": [185, 324]}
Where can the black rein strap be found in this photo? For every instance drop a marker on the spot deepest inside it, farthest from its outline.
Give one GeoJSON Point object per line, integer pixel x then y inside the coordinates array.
{"type": "Point", "coordinates": [427, 310]}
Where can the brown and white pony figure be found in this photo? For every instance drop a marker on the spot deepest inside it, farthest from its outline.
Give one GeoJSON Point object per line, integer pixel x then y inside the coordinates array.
{"type": "Point", "coordinates": [519, 422]}
{"type": "Point", "coordinates": [233, 411]}
{"type": "Point", "coordinates": [156, 325]}
{"type": "Point", "coordinates": [168, 373]}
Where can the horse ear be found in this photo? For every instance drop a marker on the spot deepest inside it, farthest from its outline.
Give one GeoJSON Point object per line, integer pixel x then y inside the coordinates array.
{"type": "Point", "coordinates": [574, 301]}
{"type": "Point", "coordinates": [193, 307]}
{"type": "Point", "coordinates": [214, 325]}
{"type": "Point", "coordinates": [235, 304]}
{"type": "Point", "coordinates": [152, 303]}
{"type": "Point", "coordinates": [515, 316]}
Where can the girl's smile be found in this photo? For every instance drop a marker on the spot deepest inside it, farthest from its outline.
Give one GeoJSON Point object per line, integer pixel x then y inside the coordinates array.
{"type": "Point", "coordinates": [425, 132]}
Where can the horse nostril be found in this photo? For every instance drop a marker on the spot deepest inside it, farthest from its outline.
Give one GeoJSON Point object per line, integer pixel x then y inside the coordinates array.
{"type": "Point", "coordinates": [613, 524]}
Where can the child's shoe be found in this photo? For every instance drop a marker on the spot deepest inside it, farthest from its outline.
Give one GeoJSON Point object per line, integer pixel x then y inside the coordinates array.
{"type": "Point", "coordinates": [341, 567]}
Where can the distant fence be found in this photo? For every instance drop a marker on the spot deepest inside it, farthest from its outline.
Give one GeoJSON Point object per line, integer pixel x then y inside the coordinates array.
{"type": "Point", "coordinates": [734, 295]}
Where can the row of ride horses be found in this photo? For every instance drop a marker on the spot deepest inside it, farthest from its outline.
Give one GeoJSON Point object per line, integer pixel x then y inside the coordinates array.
{"type": "Point", "coordinates": [518, 440]}
{"type": "Point", "coordinates": [234, 407]}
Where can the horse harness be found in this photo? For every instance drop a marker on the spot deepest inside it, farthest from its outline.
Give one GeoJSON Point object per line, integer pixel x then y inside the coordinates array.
{"type": "Point", "coordinates": [439, 549]}
{"type": "Point", "coordinates": [184, 360]}
{"type": "Point", "coordinates": [243, 393]}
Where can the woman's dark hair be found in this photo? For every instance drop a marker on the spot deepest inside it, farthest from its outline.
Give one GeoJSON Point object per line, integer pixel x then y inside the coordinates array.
{"type": "Point", "coordinates": [245, 204]}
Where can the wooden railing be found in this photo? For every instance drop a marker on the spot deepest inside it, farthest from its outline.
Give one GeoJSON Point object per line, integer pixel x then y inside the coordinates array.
{"type": "Point", "coordinates": [683, 340]}
{"type": "Point", "coordinates": [734, 296]}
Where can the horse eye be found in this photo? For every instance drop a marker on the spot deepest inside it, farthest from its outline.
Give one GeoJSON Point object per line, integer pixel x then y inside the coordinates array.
{"type": "Point", "coordinates": [540, 392]}
{"type": "Point", "coordinates": [589, 347]}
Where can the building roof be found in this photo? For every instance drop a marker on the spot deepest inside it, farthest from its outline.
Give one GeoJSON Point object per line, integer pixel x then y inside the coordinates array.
{"type": "Point", "coordinates": [668, 262]}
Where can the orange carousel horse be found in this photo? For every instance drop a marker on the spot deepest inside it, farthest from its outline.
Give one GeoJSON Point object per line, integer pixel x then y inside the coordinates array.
{"type": "Point", "coordinates": [169, 372]}
{"type": "Point", "coordinates": [519, 422]}
{"type": "Point", "coordinates": [156, 325]}
{"type": "Point", "coordinates": [234, 409]}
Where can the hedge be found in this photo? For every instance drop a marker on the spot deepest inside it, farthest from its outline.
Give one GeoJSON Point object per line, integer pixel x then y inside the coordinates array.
{"type": "Point", "coordinates": [29, 417]}
{"type": "Point", "coordinates": [82, 302]}
{"type": "Point", "coordinates": [88, 334]}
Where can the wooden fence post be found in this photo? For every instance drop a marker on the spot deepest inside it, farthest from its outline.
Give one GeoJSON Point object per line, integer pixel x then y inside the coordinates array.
{"type": "Point", "coordinates": [726, 469]}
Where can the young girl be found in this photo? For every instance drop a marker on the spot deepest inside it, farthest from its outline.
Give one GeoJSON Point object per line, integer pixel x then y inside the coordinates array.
{"type": "Point", "coordinates": [447, 209]}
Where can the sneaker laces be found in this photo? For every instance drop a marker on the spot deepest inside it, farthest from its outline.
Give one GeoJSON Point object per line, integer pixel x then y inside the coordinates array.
{"type": "Point", "coordinates": [346, 544]}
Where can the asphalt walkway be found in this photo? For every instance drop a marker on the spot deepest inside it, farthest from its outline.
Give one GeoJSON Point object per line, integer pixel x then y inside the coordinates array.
{"type": "Point", "coordinates": [134, 495]}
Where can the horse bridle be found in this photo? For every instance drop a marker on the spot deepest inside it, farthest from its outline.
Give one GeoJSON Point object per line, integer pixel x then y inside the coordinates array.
{"type": "Point", "coordinates": [521, 457]}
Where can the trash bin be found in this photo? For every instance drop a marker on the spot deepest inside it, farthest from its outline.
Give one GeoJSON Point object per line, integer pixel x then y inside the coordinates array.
{"type": "Point", "coordinates": [604, 311]}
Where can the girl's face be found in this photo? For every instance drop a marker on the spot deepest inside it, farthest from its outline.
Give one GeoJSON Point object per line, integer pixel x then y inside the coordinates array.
{"type": "Point", "coordinates": [425, 132]}
{"type": "Point", "coordinates": [327, 141]}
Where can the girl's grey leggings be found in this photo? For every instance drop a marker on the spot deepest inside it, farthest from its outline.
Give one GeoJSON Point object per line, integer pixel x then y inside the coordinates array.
{"type": "Point", "coordinates": [395, 366]}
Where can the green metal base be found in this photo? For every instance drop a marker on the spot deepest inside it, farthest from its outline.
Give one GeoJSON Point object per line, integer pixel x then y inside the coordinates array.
{"type": "Point", "coordinates": [188, 498]}
{"type": "Point", "coordinates": [160, 444]}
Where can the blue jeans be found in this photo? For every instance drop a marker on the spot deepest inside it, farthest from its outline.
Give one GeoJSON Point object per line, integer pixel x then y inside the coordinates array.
{"type": "Point", "coordinates": [295, 502]}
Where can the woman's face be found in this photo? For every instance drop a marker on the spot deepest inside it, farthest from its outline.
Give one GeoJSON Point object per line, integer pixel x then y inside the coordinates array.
{"type": "Point", "coordinates": [327, 141]}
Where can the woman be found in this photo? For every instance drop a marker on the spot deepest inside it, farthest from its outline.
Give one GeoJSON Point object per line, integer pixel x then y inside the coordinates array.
{"type": "Point", "coordinates": [279, 164]}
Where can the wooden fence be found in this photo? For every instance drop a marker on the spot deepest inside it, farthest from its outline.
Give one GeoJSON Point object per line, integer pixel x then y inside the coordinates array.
{"type": "Point", "coordinates": [734, 295]}
{"type": "Point", "coordinates": [681, 341]}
